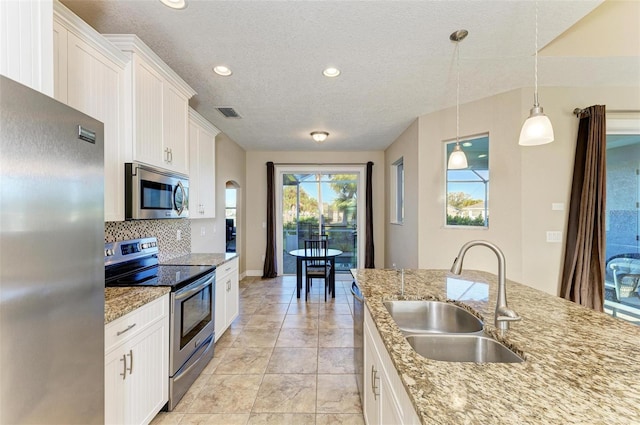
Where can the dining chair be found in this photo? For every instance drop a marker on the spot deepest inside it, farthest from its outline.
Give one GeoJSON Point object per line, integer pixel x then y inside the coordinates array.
{"type": "Point", "coordinates": [317, 267]}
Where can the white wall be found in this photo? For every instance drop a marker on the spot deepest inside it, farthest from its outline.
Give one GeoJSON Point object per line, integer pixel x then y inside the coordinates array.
{"type": "Point", "coordinates": [256, 196]}
{"type": "Point", "coordinates": [230, 166]}
{"type": "Point", "coordinates": [499, 116]}
{"type": "Point", "coordinates": [524, 181]}
{"type": "Point", "coordinates": [401, 246]}
{"type": "Point", "coordinates": [547, 173]}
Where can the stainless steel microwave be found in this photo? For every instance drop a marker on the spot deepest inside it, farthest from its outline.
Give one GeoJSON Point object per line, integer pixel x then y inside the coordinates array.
{"type": "Point", "coordinates": [154, 193]}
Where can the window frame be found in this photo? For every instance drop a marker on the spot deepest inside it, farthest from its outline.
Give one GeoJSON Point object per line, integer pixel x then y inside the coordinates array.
{"type": "Point", "coordinates": [396, 186]}
{"type": "Point", "coordinates": [462, 140]}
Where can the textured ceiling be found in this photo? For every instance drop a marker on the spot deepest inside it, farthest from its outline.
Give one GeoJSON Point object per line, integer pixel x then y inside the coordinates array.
{"type": "Point", "coordinates": [395, 56]}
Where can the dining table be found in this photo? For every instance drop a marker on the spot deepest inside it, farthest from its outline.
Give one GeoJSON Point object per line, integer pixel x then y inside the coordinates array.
{"type": "Point", "coordinates": [306, 254]}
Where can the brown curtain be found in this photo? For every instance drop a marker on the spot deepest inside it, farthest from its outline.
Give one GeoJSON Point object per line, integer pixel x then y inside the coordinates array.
{"type": "Point", "coordinates": [583, 273]}
{"type": "Point", "coordinates": [270, 268]}
{"type": "Point", "coordinates": [369, 251]}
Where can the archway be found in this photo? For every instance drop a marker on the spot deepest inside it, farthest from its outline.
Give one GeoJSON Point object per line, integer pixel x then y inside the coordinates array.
{"type": "Point", "coordinates": [231, 214]}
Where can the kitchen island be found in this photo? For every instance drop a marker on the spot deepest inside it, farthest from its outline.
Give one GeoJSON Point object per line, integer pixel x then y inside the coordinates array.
{"type": "Point", "coordinates": [580, 366]}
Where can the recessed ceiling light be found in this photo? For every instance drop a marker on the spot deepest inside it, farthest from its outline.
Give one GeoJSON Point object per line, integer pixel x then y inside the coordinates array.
{"type": "Point", "coordinates": [467, 144]}
{"type": "Point", "coordinates": [222, 70]}
{"type": "Point", "coordinates": [331, 72]}
{"type": "Point", "coordinates": [175, 4]}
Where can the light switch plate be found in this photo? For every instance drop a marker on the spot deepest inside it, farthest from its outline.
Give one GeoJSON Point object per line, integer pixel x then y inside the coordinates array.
{"type": "Point", "coordinates": [557, 206]}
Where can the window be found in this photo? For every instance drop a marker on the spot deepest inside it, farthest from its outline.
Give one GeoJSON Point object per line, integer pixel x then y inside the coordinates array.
{"type": "Point", "coordinates": [468, 189]}
{"type": "Point", "coordinates": [622, 271]}
{"type": "Point", "coordinates": [397, 191]}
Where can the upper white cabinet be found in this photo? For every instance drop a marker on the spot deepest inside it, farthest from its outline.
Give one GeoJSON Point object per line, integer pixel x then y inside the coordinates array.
{"type": "Point", "coordinates": [27, 43]}
{"type": "Point", "coordinates": [158, 104]}
{"type": "Point", "coordinates": [89, 75]}
{"type": "Point", "coordinates": [202, 176]}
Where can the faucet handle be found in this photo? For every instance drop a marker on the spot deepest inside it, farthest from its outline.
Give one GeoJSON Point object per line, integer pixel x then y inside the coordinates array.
{"type": "Point", "coordinates": [504, 314]}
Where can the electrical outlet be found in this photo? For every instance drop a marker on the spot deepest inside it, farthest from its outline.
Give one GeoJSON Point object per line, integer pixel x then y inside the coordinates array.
{"type": "Point", "coordinates": [262, 257]}
{"type": "Point", "coordinates": [178, 235]}
{"type": "Point", "coordinates": [554, 237]}
{"type": "Point", "coordinates": [557, 206]}
{"type": "Point", "coordinates": [203, 231]}
{"type": "Point", "coordinates": [264, 224]}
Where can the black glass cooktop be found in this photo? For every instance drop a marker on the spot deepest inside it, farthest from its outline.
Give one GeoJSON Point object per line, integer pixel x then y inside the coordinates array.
{"type": "Point", "coordinates": [174, 276]}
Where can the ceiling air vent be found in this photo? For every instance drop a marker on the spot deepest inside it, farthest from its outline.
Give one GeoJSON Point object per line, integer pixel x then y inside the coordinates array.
{"type": "Point", "coordinates": [229, 112]}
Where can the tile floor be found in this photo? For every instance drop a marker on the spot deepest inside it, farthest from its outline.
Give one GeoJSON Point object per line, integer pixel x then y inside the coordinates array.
{"type": "Point", "coordinates": [282, 361]}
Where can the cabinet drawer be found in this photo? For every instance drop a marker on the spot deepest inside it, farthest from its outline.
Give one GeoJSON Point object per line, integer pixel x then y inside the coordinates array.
{"type": "Point", "coordinates": [226, 269]}
{"type": "Point", "coordinates": [126, 327]}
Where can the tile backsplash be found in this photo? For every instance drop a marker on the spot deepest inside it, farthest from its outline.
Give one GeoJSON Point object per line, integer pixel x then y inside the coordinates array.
{"type": "Point", "coordinates": [165, 230]}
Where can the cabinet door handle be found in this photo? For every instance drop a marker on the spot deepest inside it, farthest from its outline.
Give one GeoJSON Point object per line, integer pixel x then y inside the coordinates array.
{"type": "Point", "coordinates": [170, 155]}
{"type": "Point", "coordinates": [229, 285]}
{"type": "Point", "coordinates": [126, 330]}
{"type": "Point", "coordinates": [374, 378]}
{"type": "Point", "coordinates": [130, 362]}
{"type": "Point", "coordinates": [166, 154]}
{"type": "Point", "coordinates": [124, 371]}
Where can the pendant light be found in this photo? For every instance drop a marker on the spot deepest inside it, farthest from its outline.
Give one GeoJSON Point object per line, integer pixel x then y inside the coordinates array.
{"type": "Point", "coordinates": [537, 129]}
{"type": "Point", "coordinates": [457, 159]}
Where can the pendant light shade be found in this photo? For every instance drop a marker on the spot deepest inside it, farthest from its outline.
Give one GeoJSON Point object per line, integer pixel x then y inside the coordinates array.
{"type": "Point", "coordinates": [457, 159]}
{"type": "Point", "coordinates": [537, 129]}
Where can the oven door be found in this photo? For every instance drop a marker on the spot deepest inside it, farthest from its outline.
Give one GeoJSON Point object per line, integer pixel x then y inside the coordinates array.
{"type": "Point", "coordinates": [191, 319]}
{"type": "Point", "coordinates": [152, 193]}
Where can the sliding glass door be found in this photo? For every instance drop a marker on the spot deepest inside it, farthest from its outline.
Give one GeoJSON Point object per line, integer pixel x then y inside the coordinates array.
{"type": "Point", "coordinates": [320, 202]}
{"type": "Point", "coordinates": [622, 289]}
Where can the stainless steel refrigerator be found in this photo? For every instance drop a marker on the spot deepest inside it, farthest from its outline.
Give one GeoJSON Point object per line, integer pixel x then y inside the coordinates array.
{"type": "Point", "coordinates": [51, 261]}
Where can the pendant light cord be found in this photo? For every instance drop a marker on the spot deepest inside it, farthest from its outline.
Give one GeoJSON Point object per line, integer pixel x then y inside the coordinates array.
{"type": "Point", "coordinates": [535, 91]}
{"type": "Point", "coordinates": [458, 93]}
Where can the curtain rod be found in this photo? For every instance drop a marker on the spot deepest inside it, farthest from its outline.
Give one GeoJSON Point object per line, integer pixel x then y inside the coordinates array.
{"type": "Point", "coordinates": [579, 111]}
{"type": "Point", "coordinates": [319, 163]}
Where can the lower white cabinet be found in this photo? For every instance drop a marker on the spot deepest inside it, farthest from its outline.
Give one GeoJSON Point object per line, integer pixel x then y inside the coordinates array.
{"type": "Point", "coordinates": [227, 296]}
{"type": "Point", "coordinates": [137, 364]}
{"type": "Point", "coordinates": [386, 402]}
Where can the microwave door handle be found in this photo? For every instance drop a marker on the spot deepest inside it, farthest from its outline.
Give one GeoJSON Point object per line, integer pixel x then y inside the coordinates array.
{"type": "Point", "coordinates": [197, 289]}
{"type": "Point", "coordinates": [180, 188]}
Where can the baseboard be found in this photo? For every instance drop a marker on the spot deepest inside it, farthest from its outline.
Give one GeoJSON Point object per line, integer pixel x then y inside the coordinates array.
{"type": "Point", "coordinates": [253, 273]}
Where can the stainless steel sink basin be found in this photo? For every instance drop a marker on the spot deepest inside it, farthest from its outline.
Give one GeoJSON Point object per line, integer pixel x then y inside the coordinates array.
{"type": "Point", "coordinates": [418, 317]}
{"type": "Point", "coordinates": [462, 348]}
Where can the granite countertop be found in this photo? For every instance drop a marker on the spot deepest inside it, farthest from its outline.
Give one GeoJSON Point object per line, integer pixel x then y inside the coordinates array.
{"type": "Point", "coordinates": [215, 259]}
{"type": "Point", "coordinates": [580, 366]}
{"type": "Point", "coordinates": [119, 301]}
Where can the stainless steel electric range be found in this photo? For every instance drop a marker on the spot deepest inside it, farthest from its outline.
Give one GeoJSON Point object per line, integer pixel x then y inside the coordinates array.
{"type": "Point", "coordinates": [191, 331]}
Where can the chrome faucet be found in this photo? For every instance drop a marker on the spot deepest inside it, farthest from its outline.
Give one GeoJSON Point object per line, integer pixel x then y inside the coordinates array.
{"type": "Point", "coordinates": [503, 314]}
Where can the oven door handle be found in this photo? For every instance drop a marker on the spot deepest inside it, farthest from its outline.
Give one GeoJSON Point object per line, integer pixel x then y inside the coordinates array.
{"type": "Point", "coordinates": [186, 294]}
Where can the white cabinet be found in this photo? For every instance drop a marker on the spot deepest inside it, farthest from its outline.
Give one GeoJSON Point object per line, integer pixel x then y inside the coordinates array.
{"type": "Point", "coordinates": [137, 364]}
{"type": "Point", "coordinates": [89, 75]}
{"type": "Point", "coordinates": [159, 104]}
{"type": "Point", "coordinates": [227, 296]}
{"type": "Point", "coordinates": [385, 399]}
{"type": "Point", "coordinates": [27, 45]}
{"type": "Point", "coordinates": [202, 171]}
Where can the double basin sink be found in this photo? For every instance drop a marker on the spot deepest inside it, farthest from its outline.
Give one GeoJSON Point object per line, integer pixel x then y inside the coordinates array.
{"type": "Point", "coordinates": [444, 331]}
